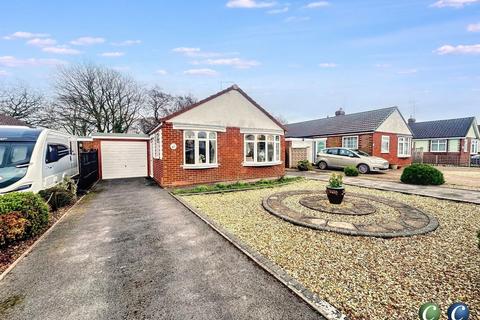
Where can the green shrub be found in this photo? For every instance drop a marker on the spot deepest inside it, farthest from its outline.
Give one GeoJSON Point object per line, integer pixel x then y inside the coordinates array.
{"type": "Point", "coordinates": [30, 206]}
{"type": "Point", "coordinates": [12, 227]}
{"type": "Point", "coordinates": [304, 165]}
{"type": "Point", "coordinates": [335, 181]}
{"type": "Point", "coordinates": [351, 171]}
{"type": "Point", "coordinates": [422, 174]}
{"type": "Point", "coordinates": [57, 197]}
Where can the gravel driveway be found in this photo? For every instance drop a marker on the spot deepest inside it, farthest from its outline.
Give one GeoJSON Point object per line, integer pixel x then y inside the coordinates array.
{"type": "Point", "coordinates": [130, 251]}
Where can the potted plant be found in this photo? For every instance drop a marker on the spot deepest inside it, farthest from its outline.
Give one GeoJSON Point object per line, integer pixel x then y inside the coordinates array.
{"type": "Point", "coordinates": [335, 189]}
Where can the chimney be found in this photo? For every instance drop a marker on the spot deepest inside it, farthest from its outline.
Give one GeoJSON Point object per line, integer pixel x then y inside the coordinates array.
{"type": "Point", "coordinates": [411, 120]}
{"type": "Point", "coordinates": [339, 112]}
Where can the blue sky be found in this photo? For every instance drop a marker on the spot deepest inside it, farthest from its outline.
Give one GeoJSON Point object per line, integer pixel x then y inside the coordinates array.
{"type": "Point", "coordinates": [300, 59]}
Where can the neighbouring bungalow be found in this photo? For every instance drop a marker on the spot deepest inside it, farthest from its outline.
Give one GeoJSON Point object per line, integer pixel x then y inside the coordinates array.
{"type": "Point", "coordinates": [446, 142]}
{"type": "Point", "coordinates": [226, 137]}
{"type": "Point", "coordinates": [383, 133]}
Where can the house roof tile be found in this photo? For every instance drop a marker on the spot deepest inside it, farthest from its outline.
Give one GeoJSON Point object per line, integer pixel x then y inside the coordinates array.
{"type": "Point", "coordinates": [10, 121]}
{"type": "Point", "coordinates": [366, 121]}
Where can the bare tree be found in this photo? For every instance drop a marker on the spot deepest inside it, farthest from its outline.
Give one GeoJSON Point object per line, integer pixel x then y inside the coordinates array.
{"type": "Point", "coordinates": [280, 118]}
{"type": "Point", "coordinates": [95, 98]}
{"type": "Point", "coordinates": [23, 103]}
{"type": "Point", "coordinates": [159, 104]}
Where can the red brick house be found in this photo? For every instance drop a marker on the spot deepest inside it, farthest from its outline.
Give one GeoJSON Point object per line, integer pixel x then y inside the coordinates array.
{"type": "Point", "coordinates": [225, 137]}
{"type": "Point", "coordinates": [383, 133]}
{"type": "Point", "coordinates": [446, 142]}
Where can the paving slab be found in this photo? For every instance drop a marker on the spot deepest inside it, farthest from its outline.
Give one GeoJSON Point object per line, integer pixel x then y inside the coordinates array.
{"type": "Point", "coordinates": [131, 251]}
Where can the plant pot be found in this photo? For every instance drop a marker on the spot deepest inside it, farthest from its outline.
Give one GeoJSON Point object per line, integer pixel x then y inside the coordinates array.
{"type": "Point", "coordinates": [335, 195]}
{"type": "Point", "coordinates": [394, 166]}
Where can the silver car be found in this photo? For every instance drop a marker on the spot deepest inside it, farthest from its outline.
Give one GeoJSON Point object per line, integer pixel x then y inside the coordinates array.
{"type": "Point", "coordinates": [343, 157]}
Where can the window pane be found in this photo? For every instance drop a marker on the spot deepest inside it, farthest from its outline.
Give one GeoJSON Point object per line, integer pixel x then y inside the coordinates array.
{"type": "Point", "coordinates": [213, 151]}
{"type": "Point", "coordinates": [212, 135]}
{"type": "Point", "coordinates": [190, 151]}
{"type": "Point", "coordinates": [261, 137]}
{"type": "Point", "coordinates": [250, 137]}
{"type": "Point", "coordinates": [270, 138]}
{"type": "Point", "coordinates": [270, 151]}
{"type": "Point", "coordinates": [261, 156]}
{"type": "Point", "coordinates": [277, 151]}
{"type": "Point", "coordinates": [3, 149]}
{"type": "Point", "coordinates": [189, 135]}
{"type": "Point", "coordinates": [277, 138]}
{"type": "Point", "coordinates": [202, 135]}
{"type": "Point", "coordinates": [249, 147]}
{"type": "Point", "coordinates": [202, 151]}
{"type": "Point", "coordinates": [19, 153]}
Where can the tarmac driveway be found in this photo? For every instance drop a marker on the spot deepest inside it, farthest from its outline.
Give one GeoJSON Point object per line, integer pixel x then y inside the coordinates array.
{"type": "Point", "coordinates": [130, 251]}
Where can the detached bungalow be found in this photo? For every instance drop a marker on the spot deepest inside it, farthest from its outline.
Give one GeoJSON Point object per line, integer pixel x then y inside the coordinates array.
{"type": "Point", "coordinates": [383, 133]}
{"type": "Point", "coordinates": [225, 137]}
{"type": "Point", "coordinates": [449, 142]}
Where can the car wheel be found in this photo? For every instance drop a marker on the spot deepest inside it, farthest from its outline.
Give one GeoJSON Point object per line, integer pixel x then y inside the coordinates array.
{"type": "Point", "coordinates": [363, 168]}
{"type": "Point", "coordinates": [322, 165]}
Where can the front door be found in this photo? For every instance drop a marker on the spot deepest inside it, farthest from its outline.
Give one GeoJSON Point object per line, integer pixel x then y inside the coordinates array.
{"type": "Point", "coordinates": [319, 145]}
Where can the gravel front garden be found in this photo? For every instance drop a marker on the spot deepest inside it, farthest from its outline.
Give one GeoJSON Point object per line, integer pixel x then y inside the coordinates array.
{"type": "Point", "coordinates": [364, 277]}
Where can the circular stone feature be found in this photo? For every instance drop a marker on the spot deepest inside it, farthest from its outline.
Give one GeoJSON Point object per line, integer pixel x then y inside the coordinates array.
{"type": "Point", "coordinates": [349, 206]}
{"type": "Point", "coordinates": [410, 221]}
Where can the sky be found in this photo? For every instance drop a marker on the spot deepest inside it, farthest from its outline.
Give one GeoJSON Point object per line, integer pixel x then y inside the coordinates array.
{"type": "Point", "coordinates": [299, 59]}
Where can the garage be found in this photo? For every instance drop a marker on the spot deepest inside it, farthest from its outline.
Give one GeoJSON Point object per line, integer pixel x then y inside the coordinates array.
{"type": "Point", "coordinates": [123, 159]}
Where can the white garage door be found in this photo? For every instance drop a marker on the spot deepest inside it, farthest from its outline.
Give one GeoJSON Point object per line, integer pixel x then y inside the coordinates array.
{"type": "Point", "coordinates": [124, 159]}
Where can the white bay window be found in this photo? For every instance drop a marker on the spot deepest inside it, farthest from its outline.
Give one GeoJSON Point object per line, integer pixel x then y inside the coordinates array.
{"type": "Point", "coordinates": [200, 148]}
{"type": "Point", "coordinates": [474, 146]}
{"type": "Point", "coordinates": [261, 149]}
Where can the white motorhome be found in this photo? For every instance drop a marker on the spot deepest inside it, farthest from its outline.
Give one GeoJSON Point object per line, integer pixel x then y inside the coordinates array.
{"type": "Point", "coordinates": [35, 159]}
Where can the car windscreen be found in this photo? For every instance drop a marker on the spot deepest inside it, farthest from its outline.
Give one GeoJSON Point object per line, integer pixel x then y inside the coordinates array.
{"type": "Point", "coordinates": [13, 158]}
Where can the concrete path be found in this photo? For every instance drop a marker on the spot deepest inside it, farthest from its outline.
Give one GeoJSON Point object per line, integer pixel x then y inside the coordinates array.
{"type": "Point", "coordinates": [461, 195]}
{"type": "Point", "coordinates": [131, 251]}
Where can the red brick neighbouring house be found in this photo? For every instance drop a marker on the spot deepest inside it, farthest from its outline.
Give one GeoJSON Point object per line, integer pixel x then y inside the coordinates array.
{"type": "Point", "coordinates": [225, 137]}
{"type": "Point", "coordinates": [383, 133]}
{"type": "Point", "coordinates": [446, 142]}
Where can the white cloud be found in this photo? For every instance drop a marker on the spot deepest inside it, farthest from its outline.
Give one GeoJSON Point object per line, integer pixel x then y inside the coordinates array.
{"type": "Point", "coordinates": [61, 50]}
{"type": "Point", "coordinates": [327, 65]}
{"type": "Point", "coordinates": [10, 61]}
{"type": "Point", "coordinates": [126, 43]}
{"type": "Point", "coordinates": [113, 54]}
{"type": "Point", "coordinates": [250, 4]}
{"type": "Point", "coordinates": [460, 49]}
{"type": "Point", "coordinates": [201, 72]}
{"type": "Point", "coordinates": [278, 11]}
{"type": "Point", "coordinates": [161, 72]}
{"type": "Point", "coordinates": [383, 65]}
{"type": "Point", "coordinates": [4, 73]}
{"type": "Point", "coordinates": [317, 4]}
{"type": "Point", "coordinates": [87, 41]}
{"type": "Point", "coordinates": [234, 62]}
{"type": "Point", "coordinates": [296, 19]}
{"type": "Point", "coordinates": [474, 27]}
{"type": "Point", "coordinates": [25, 35]}
{"type": "Point", "coordinates": [453, 3]}
{"type": "Point", "coordinates": [195, 52]}
{"type": "Point", "coordinates": [41, 42]}
{"type": "Point", "coordinates": [408, 71]}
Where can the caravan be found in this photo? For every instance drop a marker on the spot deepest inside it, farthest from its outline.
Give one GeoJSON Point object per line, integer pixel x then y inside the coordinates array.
{"type": "Point", "coordinates": [35, 159]}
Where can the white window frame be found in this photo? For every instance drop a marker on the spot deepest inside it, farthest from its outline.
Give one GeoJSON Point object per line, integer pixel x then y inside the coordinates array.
{"type": "Point", "coordinates": [387, 140]}
{"type": "Point", "coordinates": [277, 145]}
{"type": "Point", "coordinates": [474, 146]}
{"type": "Point", "coordinates": [438, 143]}
{"type": "Point", "coordinates": [198, 164]}
{"type": "Point", "coordinates": [404, 147]}
{"type": "Point", "coordinates": [350, 137]}
{"type": "Point", "coordinates": [156, 141]}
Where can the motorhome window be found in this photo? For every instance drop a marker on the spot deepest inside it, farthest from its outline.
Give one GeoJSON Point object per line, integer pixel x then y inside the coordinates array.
{"type": "Point", "coordinates": [55, 152]}
{"type": "Point", "coordinates": [15, 153]}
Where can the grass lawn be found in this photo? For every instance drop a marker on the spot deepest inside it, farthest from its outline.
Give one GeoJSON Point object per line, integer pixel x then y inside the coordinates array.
{"type": "Point", "coordinates": [366, 278]}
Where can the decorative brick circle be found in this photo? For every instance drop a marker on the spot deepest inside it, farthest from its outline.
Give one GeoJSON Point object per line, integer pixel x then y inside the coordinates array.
{"type": "Point", "coordinates": [358, 208]}
{"type": "Point", "coordinates": [410, 221]}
